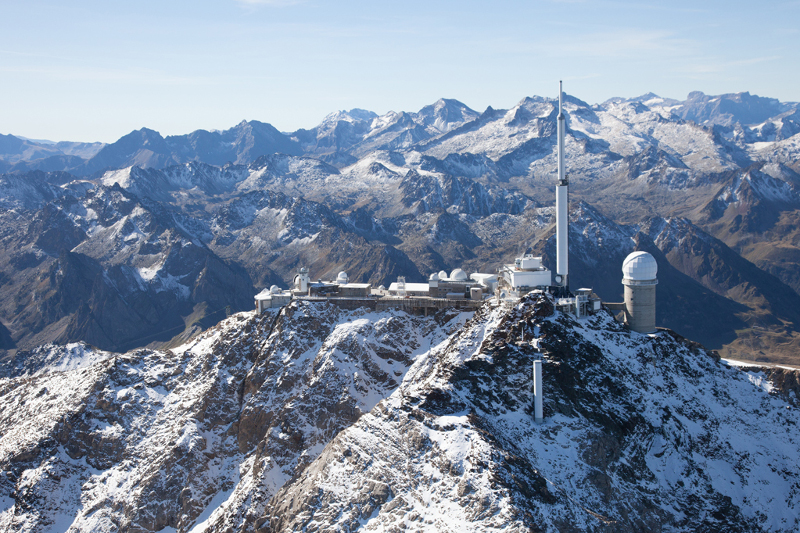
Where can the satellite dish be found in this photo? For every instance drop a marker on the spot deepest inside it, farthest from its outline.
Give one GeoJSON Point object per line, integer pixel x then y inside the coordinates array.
{"type": "Point", "coordinates": [558, 279]}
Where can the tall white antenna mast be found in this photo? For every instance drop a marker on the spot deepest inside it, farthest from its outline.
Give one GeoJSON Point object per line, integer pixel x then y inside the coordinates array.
{"type": "Point", "coordinates": [562, 202]}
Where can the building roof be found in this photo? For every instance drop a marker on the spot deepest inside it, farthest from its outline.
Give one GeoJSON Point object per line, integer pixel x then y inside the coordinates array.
{"type": "Point", "coordinates": [356, 285]}
{"type": "Point", "coordinates": [264, 295]}
{"type": "Point", "coordinates": [268, 294]}
{"type": "Point", "coordinates": [411, 287]}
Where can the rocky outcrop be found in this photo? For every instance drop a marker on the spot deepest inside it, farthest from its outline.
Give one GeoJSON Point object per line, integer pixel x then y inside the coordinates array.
{"type": "Point", "coordinates": [640, 433]}
{"type": "Point", "coordinates": [206, 432]}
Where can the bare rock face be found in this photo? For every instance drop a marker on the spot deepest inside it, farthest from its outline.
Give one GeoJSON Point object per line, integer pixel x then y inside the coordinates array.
{"type": "Point", "coordinates": [785, 381]}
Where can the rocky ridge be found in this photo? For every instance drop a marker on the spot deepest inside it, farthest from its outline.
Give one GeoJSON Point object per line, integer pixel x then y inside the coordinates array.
{"type": "Point", "coordinates": [320, 419]}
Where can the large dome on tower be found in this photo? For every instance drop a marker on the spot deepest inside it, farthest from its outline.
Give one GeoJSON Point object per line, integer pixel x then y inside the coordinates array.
{"type": "Point", "coordinates": [640, 266]}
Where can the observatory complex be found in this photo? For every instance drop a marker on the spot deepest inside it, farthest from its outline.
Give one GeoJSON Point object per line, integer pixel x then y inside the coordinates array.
{"type": "Point", "coordinates": [511, 282]}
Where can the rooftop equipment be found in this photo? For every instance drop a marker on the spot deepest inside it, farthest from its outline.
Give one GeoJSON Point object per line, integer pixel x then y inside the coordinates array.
{"type": "Point", "coordinates": [524, 275]}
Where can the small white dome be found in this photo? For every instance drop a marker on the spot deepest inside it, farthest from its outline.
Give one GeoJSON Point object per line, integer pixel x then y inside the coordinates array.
{"type": "Point", "coordinates": [342, 277]}
{"type": "Point", "coordinates": [381, 288]}
{"type": "Point", "coordinates": [640, 266]}
{"type": "Point", "coordinates": [434, 277]}
{"type": "Point", "coordinates": [442, 274]}
{"type": "Point", "coordinates": [275, 289]}
{"type": "Point", "coordinates": [458, 275]}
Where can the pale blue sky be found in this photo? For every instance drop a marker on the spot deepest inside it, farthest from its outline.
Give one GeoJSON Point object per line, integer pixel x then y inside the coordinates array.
{"type": "Point", "coordinates": [96, 70]}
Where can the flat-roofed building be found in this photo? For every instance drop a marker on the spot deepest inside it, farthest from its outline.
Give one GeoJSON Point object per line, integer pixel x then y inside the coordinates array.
{"type": "Point", "coordinates": [354, 290]}
{"type": "Point", "coordinates": [527, 273]}
{"type": "Point", "coordinates": [411, 289]}
{"type": "Point", "coordinates": [271, 298]}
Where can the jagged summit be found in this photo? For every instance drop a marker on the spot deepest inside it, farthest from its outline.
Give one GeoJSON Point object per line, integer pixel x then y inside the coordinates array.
{"type": "Point", "coordinates": [321, 419]}
{"type": "Point", "coordinates": [445, 115]}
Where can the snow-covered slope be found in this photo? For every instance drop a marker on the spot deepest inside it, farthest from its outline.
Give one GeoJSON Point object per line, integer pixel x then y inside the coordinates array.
{"type": "Point", "coordinates": [318, 419]}
{"type": "Point", "coordinates": [641, 433]}
{"type": "Point", "coordinates": [154, 439]}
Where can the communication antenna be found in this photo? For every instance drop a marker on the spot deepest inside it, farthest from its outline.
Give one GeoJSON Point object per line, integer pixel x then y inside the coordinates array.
{"type": "Point", "coordinates": [562, 205]}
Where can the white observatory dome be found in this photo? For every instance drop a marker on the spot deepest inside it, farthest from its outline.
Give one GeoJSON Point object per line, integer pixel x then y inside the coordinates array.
{"type": "Point", "coordinates": [342, 278]}
{"type": "Point", "coordinates": [275, 289]}
{"type": "Point", "coordinates": [458, 275]}
{"type": "Point", "coordinates": [639, 266]}
{"type": "Point", "coordinates": [434, 277]}
{"type": "Point", "coordinates": [442, 274]}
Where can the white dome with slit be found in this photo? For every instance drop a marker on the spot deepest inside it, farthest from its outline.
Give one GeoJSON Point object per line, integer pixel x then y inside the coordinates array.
{"type": "Point", "coordinates": [458, 275]}
{"type": "Point", "coordinates": [342, 278]}
{"type": "Point", "coordinates": [442, 274]}
{"type": "Point", "coordinates": [275, 289]}
{"type": "Point", "coordinates": [434, 277]}
{"type": "Point", "coordinates": [640, 266]}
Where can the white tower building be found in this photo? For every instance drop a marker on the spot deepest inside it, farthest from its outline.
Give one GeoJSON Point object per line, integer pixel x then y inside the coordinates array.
{"type": "Point", "coordinates": [562, 206]}
{"type": "Point", "coordinates": [639, 278]}
{"type": "Point", "coordinates": [302, 281]}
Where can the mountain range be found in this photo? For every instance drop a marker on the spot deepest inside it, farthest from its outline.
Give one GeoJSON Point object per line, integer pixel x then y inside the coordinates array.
{"type": "Point", "coordinates": [150, 239]}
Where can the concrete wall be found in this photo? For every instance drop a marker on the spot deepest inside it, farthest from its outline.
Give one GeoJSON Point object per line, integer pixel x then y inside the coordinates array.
{"type": "Point", "coordinates": [640, 307]}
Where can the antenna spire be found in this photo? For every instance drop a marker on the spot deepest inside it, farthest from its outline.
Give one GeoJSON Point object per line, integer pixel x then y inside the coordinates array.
{"type": "Point", "coordinates": [562, 204]}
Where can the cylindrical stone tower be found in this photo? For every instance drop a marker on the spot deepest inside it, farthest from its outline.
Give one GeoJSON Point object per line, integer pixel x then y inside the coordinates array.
{"type": "Point", "coordinates": [639, 277]}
